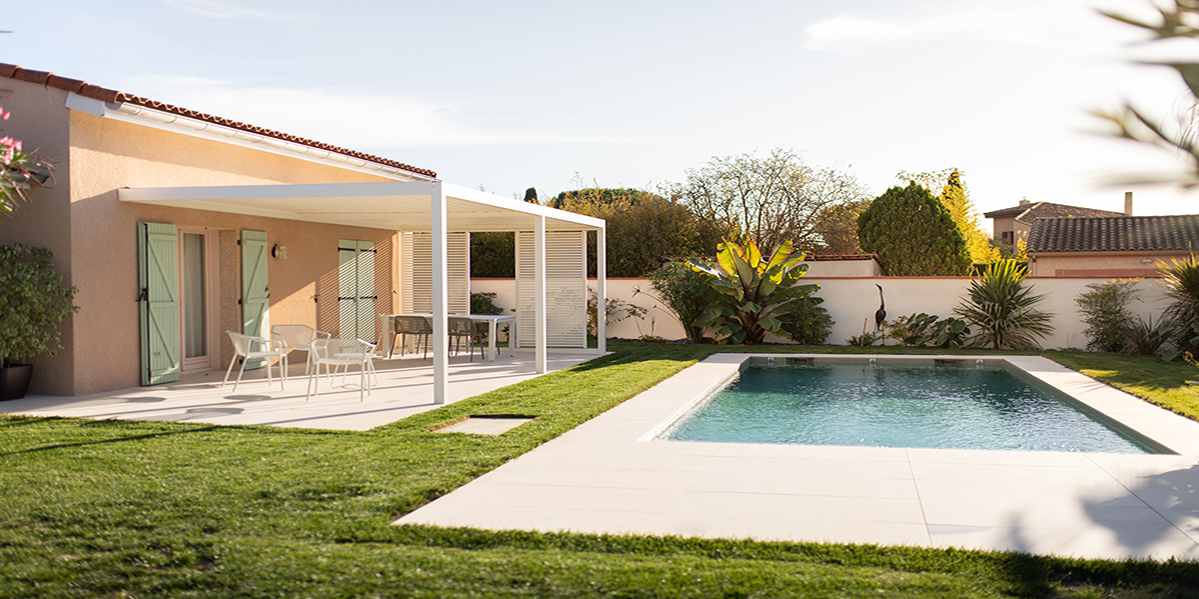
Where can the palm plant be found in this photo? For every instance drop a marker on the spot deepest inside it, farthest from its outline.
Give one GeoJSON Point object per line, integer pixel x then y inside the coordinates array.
{"type": "Point", "coordinates": [1003, 309]}
{"type": "Point", "coordinates": [750, 294]}
{"type": "Point", "coordinates": [1181, 279]}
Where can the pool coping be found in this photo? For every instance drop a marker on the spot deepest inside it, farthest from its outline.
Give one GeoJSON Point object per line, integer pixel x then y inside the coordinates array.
{"type": "Point", "coordinates": [603, 477]}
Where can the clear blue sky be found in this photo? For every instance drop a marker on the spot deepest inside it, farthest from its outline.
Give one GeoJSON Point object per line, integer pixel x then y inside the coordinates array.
{"type": "Point", "coordinates": [508, 95]}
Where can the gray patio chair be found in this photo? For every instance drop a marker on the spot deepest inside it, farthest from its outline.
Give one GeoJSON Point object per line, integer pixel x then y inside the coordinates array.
{"type": "Point", "coordinates": [244, 348]}
{"type": "Point", "coordinates": [297, 337]}
{"type": "Point", "coordinates": [338, 353]}
{"type": "Point", "coordinates": [410, 325]}
{"type": "Point", "coordinates": [463, 329]}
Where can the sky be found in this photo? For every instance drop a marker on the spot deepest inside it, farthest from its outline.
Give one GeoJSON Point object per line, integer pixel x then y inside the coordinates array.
{"type": "Point", "coordinates": [510, 95]}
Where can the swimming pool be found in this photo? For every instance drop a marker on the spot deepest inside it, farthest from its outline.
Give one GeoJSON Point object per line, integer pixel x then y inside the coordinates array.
{"type": "Point", "coordinates": [929, 403]}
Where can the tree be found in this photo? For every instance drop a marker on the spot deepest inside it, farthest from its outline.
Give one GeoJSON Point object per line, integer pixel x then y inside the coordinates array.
{"type": "Point", "coordinates": [913, 234]}
{"type": "Point", "coordinates": [531, 195]}
{"type": "Point", "coordinates": [948, 187]}
{"type": "Point", "coordinates": [643, 229]}
{"type": "Point", "coordinates": [767, 200]}
{"type": "Point", "coordinates": [1181, 20]}
{"type": "Point", "coordinates": [961, 210]}
{"type": "Point", "coordinates": [838, 227]}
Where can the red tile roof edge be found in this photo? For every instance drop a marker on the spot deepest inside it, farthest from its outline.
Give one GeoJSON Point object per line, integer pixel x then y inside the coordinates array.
{"type": "Point", "coordinates": [110, 96]}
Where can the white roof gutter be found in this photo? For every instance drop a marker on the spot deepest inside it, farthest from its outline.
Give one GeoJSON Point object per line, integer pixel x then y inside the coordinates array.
{"type": "Point", "coordinates": [141, 115]}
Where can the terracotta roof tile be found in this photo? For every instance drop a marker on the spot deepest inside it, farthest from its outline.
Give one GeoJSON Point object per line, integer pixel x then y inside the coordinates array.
{"type": "Point", "coordinates": [1035, 210]}
{"type": "Point", "coordinates": [110, 96]}
{"type": "Point", "coordinates": [1115, 233]}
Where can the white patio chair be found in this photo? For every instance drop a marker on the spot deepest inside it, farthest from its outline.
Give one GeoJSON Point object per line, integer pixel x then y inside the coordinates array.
{"type": "Point", "coordinates": [243, 347]}
{"type": "Point", "coordinates": [297, 337]}
{"type": "Point", "coordinates": [338, 353]}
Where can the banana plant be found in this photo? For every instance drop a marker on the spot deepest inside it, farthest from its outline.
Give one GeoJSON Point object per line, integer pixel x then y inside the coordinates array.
{"type": "Point", "coordinates": [750, 294]}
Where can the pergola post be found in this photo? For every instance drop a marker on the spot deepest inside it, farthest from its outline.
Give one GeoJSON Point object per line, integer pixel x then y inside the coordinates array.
{"type": "Point", "coordinates": [601, 285]}
{"type": "Point", "coordinates": [539, 292]}
{"type": "Point", "coordinates": [441, 290]}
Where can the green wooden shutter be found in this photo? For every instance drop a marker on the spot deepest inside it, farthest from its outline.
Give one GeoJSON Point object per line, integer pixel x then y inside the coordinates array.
{"type": "Point", "coordinates": [255, 293]}
{"type": "Point", "coordinates": [158, 280]}
{"type": "Point", "coordinates": [357, 299]}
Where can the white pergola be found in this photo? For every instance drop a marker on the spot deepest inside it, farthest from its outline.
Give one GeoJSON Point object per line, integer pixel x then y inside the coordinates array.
{"type": "Point", "coordinates": [431, 206]}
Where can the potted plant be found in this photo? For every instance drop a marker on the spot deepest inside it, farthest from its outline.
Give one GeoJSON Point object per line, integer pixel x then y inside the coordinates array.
{"type": "Point", "coordinates": [33, 301]}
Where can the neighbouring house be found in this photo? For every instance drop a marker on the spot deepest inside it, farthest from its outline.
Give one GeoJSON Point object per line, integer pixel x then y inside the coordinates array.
{"type": "Point", "coordinates": [843, 265]}
{"type": "Point", "coordinates": [1012, 225]}
{"type": "Point", "coordinates": [177, 226]}
{"type": "Point", "coordinates": [1109, 247]}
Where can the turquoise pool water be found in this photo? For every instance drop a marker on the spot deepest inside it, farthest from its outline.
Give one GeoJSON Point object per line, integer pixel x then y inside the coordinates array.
{"type": "Point", "coordinates": [937, 405]}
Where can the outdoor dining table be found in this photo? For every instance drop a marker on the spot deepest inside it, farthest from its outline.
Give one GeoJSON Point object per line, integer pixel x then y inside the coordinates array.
{"type": "Point", "coordinates": [387, 326]}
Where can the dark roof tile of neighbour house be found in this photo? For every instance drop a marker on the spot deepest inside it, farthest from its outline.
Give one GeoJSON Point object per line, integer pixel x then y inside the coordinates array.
{"type": "Point", "coordinates": [824, 257]}
{"type": "Point", "coordinates": [1029, 213]}
{"type": "Point", "coordinates": [103, 94]}
{"type": "Point", "coordinates": [1115, 234]}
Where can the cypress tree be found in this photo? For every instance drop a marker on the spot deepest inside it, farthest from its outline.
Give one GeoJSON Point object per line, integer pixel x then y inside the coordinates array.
{"type": "Point", "coordinates": [913, 234]}
{"type": "Point", "coordinates": [953, 196]}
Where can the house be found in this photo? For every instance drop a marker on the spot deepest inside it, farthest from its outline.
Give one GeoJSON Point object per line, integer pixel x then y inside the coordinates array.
{"type": "Point", "coordinates": [176, 225]}
{"type": "Point", "coordinates": [1012, 225]}
{"type": "Point", "coordinates": [843, 265]}
{"type": "Point", "coordinates": [1109, 247]}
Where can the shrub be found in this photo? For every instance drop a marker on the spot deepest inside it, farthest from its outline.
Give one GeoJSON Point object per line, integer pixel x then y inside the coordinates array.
{"type": "Point", "coordinates": [809, 323]}
{"type": "Point", "coordinates": [484, 303]}
{"type": "Point", "coordinates": [618, 310]}
{"type": "Point", "coordinates": [1146, 339]}
{"type": "Point", "coordinates": [1004, 309]}
{"type": "Point", "coordinates": [33, 302]}
{"type": "Point", "coordinates": [673, 287]}
{"type": "Point", "coordinates": [1109, 322]}
{"type": "Point", "coordinates": [922, 329]}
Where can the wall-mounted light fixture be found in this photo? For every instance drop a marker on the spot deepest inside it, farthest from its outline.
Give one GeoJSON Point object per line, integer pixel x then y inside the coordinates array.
{"type": "Point", "coordinates": [279, 252]}
{"type": "Point", "coordinates": [1147, 261]}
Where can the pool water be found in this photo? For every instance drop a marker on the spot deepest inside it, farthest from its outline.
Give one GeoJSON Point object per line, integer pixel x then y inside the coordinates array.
{"type": "Point", "coordinates": [928, 404]}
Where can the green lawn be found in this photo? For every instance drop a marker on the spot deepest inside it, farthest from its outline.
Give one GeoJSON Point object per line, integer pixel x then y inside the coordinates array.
{"type": "Point", "coordinates": [129, 509]}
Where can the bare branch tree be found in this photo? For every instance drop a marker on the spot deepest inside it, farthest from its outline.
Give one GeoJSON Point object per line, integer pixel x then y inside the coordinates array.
{"type": "Point", "coordinates": [768, 200]}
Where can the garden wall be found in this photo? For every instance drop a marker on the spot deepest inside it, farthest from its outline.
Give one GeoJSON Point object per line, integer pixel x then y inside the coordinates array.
{"type": "Point", "coordinates": [852, 301]}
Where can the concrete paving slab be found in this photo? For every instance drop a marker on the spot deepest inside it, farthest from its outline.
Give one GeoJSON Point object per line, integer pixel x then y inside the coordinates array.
{"type": "Point", "coordinates": [1087, 505]}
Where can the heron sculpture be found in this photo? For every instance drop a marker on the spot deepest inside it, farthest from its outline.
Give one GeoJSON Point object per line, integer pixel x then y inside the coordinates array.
{"type": "Point", "coordinates": [881, 314]}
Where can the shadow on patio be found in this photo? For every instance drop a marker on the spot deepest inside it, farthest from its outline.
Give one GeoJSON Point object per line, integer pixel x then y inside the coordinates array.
{"type": "Point", "coordinates": [404, 388]}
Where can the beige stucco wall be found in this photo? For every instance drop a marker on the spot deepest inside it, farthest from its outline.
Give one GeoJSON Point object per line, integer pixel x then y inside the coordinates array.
{"type": "Point", "coordinates": [94, 235]}
{"type": "Point", "coordinates": [851, 303]}
{"type": "Point", "coordinates": [844, 268]}
{"type": "Point", "coordinates": [1047, 265]}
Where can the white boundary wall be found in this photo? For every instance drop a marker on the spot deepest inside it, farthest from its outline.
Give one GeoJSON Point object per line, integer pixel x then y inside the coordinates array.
{"type": "Point", "coordinates": [852, 301]}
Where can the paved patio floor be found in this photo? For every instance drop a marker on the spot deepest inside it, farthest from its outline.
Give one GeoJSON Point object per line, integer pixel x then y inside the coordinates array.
{"type": "Point", "coordinates": [405, 388]}
{"type": "Point", "coordinates": [604, 477]}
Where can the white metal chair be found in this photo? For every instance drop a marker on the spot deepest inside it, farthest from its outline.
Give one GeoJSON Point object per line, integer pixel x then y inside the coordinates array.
{"type": "Point", "coordinates": [338, 353]}
{"type": "Point", "coordinates": [297, 337]}
{"type": "Point", "coordinates": [243, 347]}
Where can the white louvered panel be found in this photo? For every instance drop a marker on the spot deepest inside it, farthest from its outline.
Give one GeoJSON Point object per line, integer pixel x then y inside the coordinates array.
{"type": "Point", "coordinates": [417, 256]}
{"type": "Point", "coordinates": [526, 289]}
{"type": "Point", "coordinates": [458, 275]}
{"type": "Point", "coordinates": [565, 289]}
{"type": "Point", "coordinates": [416, 252]}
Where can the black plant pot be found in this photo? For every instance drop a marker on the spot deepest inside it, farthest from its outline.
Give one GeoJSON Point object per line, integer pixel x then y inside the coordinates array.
{"type": "Point", "coordinates": [14, 381]}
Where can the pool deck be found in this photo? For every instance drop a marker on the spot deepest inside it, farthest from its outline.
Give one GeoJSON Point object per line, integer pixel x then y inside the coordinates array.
{"type": "Point", "coordinates": [606, 477]}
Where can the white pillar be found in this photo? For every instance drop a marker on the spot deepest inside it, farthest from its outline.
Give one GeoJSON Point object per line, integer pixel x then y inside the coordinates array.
{"type": "Point", "coordinates": [601, 280]}
{"type": "Point", "coordinates": [539, 292]}
{"type": "Point", "coordinates": [440, 293]}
